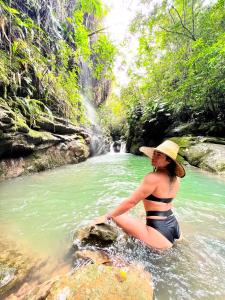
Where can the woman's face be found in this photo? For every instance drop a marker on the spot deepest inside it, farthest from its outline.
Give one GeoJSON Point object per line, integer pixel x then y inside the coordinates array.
{"type": "Point", "coordinates": [159, 160]}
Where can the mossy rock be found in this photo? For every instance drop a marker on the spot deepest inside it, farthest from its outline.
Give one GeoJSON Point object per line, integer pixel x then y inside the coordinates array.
{"type": "Point", "coordinates": [99, 282]}
{"type": "Point", "coordinates": [184, 141]}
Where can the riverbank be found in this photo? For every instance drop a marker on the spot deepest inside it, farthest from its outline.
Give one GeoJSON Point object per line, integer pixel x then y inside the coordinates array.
{"type": "Point", "coordinates": [48, 143]}
{"type": "Point", "coordinates": [58, 143]}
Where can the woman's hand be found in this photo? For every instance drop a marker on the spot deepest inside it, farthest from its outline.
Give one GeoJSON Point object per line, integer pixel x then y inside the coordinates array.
{"type": "Point", "coordinates": [100, 220]}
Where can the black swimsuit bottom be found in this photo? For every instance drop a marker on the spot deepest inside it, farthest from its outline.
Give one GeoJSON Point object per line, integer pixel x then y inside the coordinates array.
{"type": "Point", "coordinates": [168, 227]}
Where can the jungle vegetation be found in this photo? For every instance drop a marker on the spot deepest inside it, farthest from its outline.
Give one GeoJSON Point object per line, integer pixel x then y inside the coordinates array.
{"type": "Point", "coordinates": [179, 68]}
{"type": "Point", "coordinates": [43, 47]}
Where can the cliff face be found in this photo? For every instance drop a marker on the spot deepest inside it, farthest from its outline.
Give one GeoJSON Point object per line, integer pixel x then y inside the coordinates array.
{"type": "Point", "coordinates": [43, 47]}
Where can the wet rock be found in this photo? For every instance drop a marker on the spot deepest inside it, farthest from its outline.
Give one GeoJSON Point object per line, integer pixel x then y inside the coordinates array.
{"type": "Point", "coordinates": [98, 282]}
{"type": "Point", "coordinates": [103, 234]}
{"type": "Point", "coordinates": [6, 117]}
{"type": "Point", "coordinates": [10, 168]}
{"type": "Point", "coordinates": [98, 257]}
{"type": "Point", "coordinates": [7, 274]}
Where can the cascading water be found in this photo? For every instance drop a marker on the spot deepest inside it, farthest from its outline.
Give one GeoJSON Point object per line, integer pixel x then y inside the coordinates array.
{"type": "Point", "coordinates": [118, 147]}
{"type": "Point", "coordinates": [99, 144]}
{"type": "Point", "coordinates": [123, 147]}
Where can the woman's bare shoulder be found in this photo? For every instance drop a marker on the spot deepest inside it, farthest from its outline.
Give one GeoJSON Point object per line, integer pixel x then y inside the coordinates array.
{"type": "Point", "coordinates": [151, 177]}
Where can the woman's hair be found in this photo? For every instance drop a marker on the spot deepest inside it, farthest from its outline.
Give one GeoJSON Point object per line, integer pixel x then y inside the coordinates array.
{"type": "Point", "coordinates": [171, 168]}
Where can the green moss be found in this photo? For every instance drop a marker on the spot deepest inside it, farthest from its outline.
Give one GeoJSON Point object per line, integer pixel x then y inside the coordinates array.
{"type": "Point", "coordinates": [21, 122]}
{"type": "Point", "coordinates": [40, 134]}
{"type": "Point", "coordinates": [4, 67]}
{"type": "Point", "coordinates": [184, 141]}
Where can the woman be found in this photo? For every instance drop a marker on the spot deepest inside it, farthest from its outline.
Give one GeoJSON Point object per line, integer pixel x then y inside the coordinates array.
{"type": "Point", "coordinates": [157, 191]}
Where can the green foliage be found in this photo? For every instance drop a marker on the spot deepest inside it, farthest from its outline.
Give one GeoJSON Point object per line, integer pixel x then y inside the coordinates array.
{"type": "Point", "coordinates": [104, 54]}
{"type": "Point", "coordinates": [181, 49]}
{"type": "Point", "coordinates": [4, 67]}
{"type": "Point", "coordinates": [81, 35]}
{"type": "Point", "coordinates": [39, 72]}
{"type": "Point", "coordinates": [94, 7]}
{"type": "Point", "coordinates": [31, 109]}
{"type": "Point", "coordinates": [113, 116]}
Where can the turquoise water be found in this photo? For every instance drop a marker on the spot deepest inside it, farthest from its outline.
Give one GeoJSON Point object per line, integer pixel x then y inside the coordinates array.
{"type": "Point", "coordinates": [44, 209]}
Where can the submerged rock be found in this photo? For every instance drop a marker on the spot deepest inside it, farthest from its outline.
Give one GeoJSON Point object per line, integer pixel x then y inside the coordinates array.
{"type": "Point", "coordinates": [98, 257]}
{"type": "Point", "coordinates": [15, 266]}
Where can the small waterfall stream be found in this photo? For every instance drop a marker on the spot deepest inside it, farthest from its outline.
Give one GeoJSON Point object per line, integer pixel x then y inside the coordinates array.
{"type": "Point", "coordinates": [118, 147]}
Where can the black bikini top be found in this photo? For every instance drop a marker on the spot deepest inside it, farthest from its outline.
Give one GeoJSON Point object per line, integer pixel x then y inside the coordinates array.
{"type": "Point", "coordinates": [154, 198]}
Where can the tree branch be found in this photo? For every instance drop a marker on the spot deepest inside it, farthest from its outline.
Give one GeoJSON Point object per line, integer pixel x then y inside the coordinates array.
{"type": "Point", "coordinates": [184, 12]}
{"type": "Point", "coordinates": [171, 17]}
{"type": "Point", "coordinates": [193, 19]}
{"type": "Point", "coordinates": [176, 32]}
{"type": "Point", "coordinates": [183, 25]}
{"type": "Point", "coordinates": [97, 31]}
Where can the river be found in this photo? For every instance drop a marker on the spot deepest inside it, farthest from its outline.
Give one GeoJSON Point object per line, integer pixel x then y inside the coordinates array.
{"type": "Point", "coordinates": [44, 209]}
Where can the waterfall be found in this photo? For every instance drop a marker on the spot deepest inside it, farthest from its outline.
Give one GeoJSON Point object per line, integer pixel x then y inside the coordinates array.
{"type": "Point", "coordinates": [90, 111]}
{"type": "Point", "coordinates": [123, 147]}
{"type": "Point", "coordinates": [99, 143]}
{"type": "Point", "coordinates": [118, 147]}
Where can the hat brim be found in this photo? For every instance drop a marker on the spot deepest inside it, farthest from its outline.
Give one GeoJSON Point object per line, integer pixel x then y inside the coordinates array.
{"type": "Point", "coordinates": [148, 151]}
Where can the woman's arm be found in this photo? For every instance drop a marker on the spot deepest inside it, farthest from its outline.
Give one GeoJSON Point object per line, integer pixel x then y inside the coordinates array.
{"type": "Point", "coordinates": [146, 188]}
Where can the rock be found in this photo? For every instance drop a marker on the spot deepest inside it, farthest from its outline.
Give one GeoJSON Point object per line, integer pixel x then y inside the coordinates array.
{"type": "Point", "coordinates": [50, 143]}
{"type": "Point", "coordinates": [46, 155]}
{"type": "Point", "coordinates": [50, 126]}
{"type": "Point", "coordinates": [101, 234]}
{"type": "Point", "coordinates": [7, 274]}
{"type": "Point", "coordinates": [98, 257]}
{"type": "Point", "coordinates": [10, 168]}
{"type": "Point", "coordinates": [207, 153]}
{"type": "Point", "coordinates": [15, 266]}
{"type": "Point", "coordinates": [208, 156]}
{"type": "Point", "coordinates": [6, 117]}
{"type": "Point", "coordinates": [98, 282]}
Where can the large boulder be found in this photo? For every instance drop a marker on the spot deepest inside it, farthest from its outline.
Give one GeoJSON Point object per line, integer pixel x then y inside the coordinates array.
{"type": "Point", "coordinates": [207, 156]}
{"type": "Point", "coordinates": [48, 144]}
{"type": "Point", "coordinates": [207, 153]}
{"type": "Point", "coordinates": [97, 282]}
{"type": "Point", "coordinates": [42, 158]}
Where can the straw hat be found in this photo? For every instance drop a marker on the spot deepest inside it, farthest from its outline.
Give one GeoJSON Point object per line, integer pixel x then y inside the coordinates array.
{"type": "Point", "coordinates": [171, 150]}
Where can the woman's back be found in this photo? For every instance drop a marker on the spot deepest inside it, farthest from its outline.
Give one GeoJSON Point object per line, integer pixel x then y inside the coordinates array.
{"type": "Point", "coordinates": [165, 188]}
